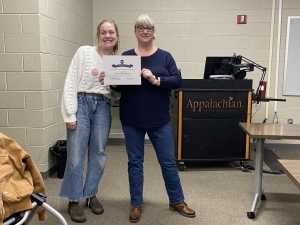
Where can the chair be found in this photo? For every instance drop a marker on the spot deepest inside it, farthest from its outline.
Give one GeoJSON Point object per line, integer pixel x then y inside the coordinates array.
{"type": "Point", "coordinates": [22, 188]}
{"type": "Point", "coordinates": [38, 201]}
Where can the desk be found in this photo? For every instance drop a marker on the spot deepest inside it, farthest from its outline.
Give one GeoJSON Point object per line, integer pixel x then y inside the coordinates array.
{"type": "Point", "coordinates": [263, 131]}
{"type": "Point", "coordinates": [292, 169]}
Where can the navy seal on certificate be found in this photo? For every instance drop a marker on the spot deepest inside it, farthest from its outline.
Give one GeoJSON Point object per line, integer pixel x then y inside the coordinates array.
{"type": "Point", "coordinates": [122, 70]}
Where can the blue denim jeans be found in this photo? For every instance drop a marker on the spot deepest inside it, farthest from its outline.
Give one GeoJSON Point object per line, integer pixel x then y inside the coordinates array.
{"type": "Point", "coordinates": [90, 136]}
{"type": "Point", "coordinates": [162, 141]}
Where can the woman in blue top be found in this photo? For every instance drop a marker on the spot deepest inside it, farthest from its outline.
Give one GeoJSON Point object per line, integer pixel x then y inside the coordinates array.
{"type": "Point", "coordinates": [145, 109]}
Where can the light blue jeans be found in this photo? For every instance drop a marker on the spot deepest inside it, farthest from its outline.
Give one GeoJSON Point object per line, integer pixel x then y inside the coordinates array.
{"type": "Point", "coordinates": [91, 135]}
{"type": "Point", "coordinates": [162, 141]}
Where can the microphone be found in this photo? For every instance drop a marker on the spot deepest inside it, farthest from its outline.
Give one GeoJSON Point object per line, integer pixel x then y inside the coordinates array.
{"type": "Point", "coordinates": [225, 67]}
{"type": "Point", "coordinates": [225, 62]}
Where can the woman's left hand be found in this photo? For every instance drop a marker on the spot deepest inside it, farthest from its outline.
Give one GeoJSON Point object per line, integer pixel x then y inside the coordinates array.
{"type": "Point", "coordinates": [71, 125]}
{"type": "Point", "coordinates": [147, 74]}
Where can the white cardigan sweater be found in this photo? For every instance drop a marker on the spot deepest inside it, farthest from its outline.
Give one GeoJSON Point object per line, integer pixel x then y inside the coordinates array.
{"type": "Point", "coordinates": [83, 76]}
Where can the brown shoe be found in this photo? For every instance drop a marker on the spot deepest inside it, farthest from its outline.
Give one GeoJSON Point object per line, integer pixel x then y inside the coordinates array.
{"type": "Point", "coordinates": [135, 214]}
{"type": "Point", "coordinates": [183, 209]}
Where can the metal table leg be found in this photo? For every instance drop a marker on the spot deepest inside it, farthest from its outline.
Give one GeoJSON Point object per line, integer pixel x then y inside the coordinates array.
{"type": "Point", "coordinates": [258, 176]}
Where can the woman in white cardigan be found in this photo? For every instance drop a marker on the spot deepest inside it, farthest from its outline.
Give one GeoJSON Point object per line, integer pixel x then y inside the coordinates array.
{"type": "Point", "coordinates": [85, 107]}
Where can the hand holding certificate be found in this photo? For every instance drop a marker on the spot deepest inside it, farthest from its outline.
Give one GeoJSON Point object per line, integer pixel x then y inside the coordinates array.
{"type": "Point", "coordinates": [122, 70]}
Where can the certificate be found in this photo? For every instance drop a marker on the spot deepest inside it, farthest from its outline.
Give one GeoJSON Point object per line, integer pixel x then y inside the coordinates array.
{"type": "Point", "coordinates": [122, 69]}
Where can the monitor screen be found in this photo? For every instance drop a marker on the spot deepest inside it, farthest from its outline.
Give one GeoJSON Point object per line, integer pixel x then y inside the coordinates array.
{"type": "Point", "coordinates": [219, 65]}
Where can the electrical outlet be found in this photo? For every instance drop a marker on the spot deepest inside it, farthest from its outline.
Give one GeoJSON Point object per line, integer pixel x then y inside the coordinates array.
{"type": "Point", "coordinates": [290, 121]}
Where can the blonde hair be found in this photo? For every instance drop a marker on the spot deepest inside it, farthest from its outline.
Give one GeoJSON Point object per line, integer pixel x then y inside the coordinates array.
{"type": "Point", "coordinates": [116, 47]}
{"type": "Point", "coordinates": [145, 20]}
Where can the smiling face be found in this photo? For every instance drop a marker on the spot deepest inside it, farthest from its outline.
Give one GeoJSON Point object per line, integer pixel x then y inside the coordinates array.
{"type": "Point", "coordinates": [144, 33]}
{"type": "Point", "coordinates": [107, 34]}
{"type": "Point", "coordinates": [144, 29]}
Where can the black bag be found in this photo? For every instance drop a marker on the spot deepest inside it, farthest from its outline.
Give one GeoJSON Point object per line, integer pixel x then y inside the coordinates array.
{"type": "Point", "coordinates": [59, 148]}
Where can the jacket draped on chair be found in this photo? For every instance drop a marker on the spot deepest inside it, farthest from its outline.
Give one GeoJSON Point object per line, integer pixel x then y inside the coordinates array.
{"type": "Point", "coordinates": [19, 178]}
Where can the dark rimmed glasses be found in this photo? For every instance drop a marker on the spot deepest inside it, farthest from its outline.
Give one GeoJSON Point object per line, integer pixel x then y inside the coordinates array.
{"type": "Point", "coordinates": [141, 29]}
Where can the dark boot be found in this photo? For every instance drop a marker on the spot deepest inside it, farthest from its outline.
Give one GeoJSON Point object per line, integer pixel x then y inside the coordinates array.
{"type": "Point", "coordinates": [96, 206]}
{"type": "Point", "coordinates": [76, 212]}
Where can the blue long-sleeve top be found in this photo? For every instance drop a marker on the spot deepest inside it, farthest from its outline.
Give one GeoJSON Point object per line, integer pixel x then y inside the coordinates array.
{"type": "Point", "coordinates": [147, 105]}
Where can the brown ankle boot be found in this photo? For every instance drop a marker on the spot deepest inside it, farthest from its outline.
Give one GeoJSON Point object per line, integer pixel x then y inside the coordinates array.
{"type": "Point", "coordinates": [76, 212]}
{"type": "Point", "coordinates": [182, 209]}
{"type": "Point", "coordinates": [135, 214]}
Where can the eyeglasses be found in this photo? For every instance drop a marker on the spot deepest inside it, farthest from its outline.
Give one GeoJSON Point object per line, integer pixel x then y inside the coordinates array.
{"type": "Point", "coordinates": [149, 29]}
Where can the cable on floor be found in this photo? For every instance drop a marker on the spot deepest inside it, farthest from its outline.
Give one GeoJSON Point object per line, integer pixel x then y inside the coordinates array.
{"type": "Point", "coordinates": [246, 165]}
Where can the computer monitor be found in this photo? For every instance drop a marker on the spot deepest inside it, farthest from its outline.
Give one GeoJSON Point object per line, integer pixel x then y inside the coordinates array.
{"type": "Point", "coordinates": [220, 65]}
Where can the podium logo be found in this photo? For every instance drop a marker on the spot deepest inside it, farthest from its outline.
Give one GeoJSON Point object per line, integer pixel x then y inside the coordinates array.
{"type": "Point", "coordinates": [211, 104]}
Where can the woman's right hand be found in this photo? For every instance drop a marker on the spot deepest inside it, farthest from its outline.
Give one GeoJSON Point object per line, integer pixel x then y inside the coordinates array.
{"type": "Point", "coordinates": [71, 125]}
{"type": "Point", "coordinates": [101, 79]}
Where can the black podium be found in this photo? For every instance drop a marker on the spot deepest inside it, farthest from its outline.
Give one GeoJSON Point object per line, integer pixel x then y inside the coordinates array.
{"type": "Point", "coordinates": [205, 116]}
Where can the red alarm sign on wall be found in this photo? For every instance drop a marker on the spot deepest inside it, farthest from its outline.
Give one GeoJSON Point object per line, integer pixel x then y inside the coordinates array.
{"type": "Point", "coordinates": [241, 19]}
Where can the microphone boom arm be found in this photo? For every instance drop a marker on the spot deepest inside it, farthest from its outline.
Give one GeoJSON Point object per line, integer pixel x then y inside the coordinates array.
{"type": "Point", "coordinates": [252, 64]}
{"type": "Point", "coordinates": [250, 67]}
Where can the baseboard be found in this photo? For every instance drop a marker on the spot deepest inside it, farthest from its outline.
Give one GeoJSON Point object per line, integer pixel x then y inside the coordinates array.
{"type": "Point", "coordinates": [49, 173]}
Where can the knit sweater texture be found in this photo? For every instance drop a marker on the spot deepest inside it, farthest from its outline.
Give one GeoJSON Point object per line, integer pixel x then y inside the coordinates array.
{"type": "Point", "coordinates": [83, 76]}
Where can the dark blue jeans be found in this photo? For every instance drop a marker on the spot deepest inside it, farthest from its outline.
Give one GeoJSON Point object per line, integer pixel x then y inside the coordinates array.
{"type": "Point", "coordinates": [162, 141]}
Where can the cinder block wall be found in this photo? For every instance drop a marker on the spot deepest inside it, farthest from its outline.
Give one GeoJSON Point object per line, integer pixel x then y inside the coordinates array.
{"type": "Point", "coordinates": [37, 42]}
{"type": "Point", "coordinates": [194, 29]}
